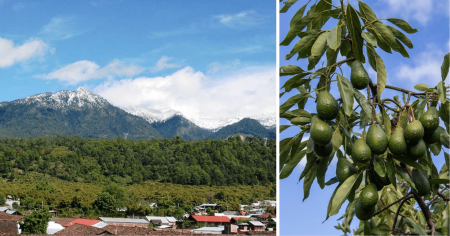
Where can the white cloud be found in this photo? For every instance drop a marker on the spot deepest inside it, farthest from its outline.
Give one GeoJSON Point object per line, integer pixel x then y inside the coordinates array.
{"type": "Point", "coordinates": [86, 70]}
{"type": "Point", "coordinates": [215, 67]}
{"type": "Point", "coordinates": [246, 92]}
{"type": "Point", "coordinates": [242, 19]}
{"type": "Point", "coordinates": [419, 10]}
{"type": "Point", "coordinates": [425, 68]}
{"type": "Point", "coordinates": [11, 54]}
{"type": "Point", "coordinates": [60, 28]}
{"type": "Point", "coordinates": [163, 64]}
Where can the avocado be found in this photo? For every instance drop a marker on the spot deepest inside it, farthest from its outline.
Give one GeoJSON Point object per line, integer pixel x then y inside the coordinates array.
{"type": "Point", "coordinates": [344, 169]}
{"type": "Point", "coordinates": [430, 120]}
{"type": "Point", "coordinates": [397, 142]}
{"type": "Point", "coordinates": [361, 151]}
{"type": "Point", "coordinates": [323, 151]}
{"type": "Point", "coordinates": [327, 106]}
{"type": "Point", "coordinates": [414, 131]}
{"type": "Point", "coordinates": [377, 139]}
{"type": "Point", "coordinates": [374, 180]}
{"type": "Point", "coordinates": [363, 213]}
{"type": "Point", "coordinates": [369, 196]}
{"type": "Point", "coordinates": [358, 75]}
{"type": "Point", "coordinates": [431, 138]}
{"type": "Point", "coordinates": [421, 182]}
{"type": "Point", "coordinates": [320, 131]}
{"type": "Point", "coordinates": [416, 150]}
{"type": "Point", "coordinates": [382, 180]}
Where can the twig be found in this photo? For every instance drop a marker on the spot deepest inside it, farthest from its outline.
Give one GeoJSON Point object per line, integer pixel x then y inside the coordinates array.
{"type": "Point", "coordinates": [403, 90]}
{"type": "Point", "coordinates": [386, 207]}
{"type": "Point", "coordinates": [374, 113]}
{"type": "Point", "coordinates": [390, 108]}
{"type": "Point", "coordinates": [409, 97]}
{"type": "Point", "coordinates": [410, 195]}
{"type": "Point", "coordinates": [391, 100]}
{"type": "Point", "coordinates": [445, 198]}
{"type": "Point", "coordinates": [338, 64]}
{"type": "Point", "coordinates": [434, 198]}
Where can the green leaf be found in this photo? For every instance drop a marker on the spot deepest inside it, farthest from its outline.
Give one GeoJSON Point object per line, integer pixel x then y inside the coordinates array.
{"type": "Point", "coordinates": [390, 167]}
{"type": "Point", "coordinates": [381, 229]}
{"type": "Point", "coordinates": [331, 201]}
{"type": "Point", "coordinates": [379, 167]}
{"type": "Point", "coordinates": [441, 91]}
{"type": "Point", "coordinates": [319, 46]}
{"type": "Point", "coordinates": [332, 181]}
{"type": "Point", "coordinates": [402, 24]}
{"type": "Point", "coordinates": [435, 148]}
{"type": "Point", "coordinates": [331, 58]}
{"type": "Point", "coordinates": [405, 176]}
{"type": "Point", "coordinates": [346, 91]}
{"type": "Point", "coordinates": [296, 81]}
{"type": "Point", "coordinates": [387, 122]}
{"type": "Point", "coordinates": [369, 38]}
{"type": "Point", "coordinates": [336, 139]}
{"type": "Point", "coordinates": [438, 181]}
{"type": "Point", "coordinates": [310, 145]}
{"type": "Point", "coordinates": [421, 87]}
{"type": "Point", "coordinates": [367, 12]}
{"type": "Point", "coordinates": [342, 194]}
{"type": "Point", "coordinates": [410, 162]}
{"type": "Point", "coordinates": [383, 32]}
{"type": "Point", "coordinates": [367, 229]}
{"type": "Point", "coordinates": [321, 170]}
{"type": "Point", "coordinates": [308, 182]}
{"type": "Point", "coordinates": [303, 47]}
{"type": "Point", "coordinates": [354, 27]}
{"type": "Point", "coordinates": [345, 48]}
{"type": "Point", "coordinates": [445, 66]}
{"type": "Point", "coordinates": [287, 5]}
{"type": "Point", "coordinates": [314, 60]}
{"type": "Point", "coordinates": [290, 70]}
{"type": "Point", "coordinates": [413, 224]}
{"type": "Point", "coordinates": [362, 101]}
{"type": "Point", "coordinates": [292, 101]}
{"type": "Point", "coordinates": [300, 120]}
{"type": "Point", "coordinates": [334, 38]}
{"type": "Point", "coordinates": [445, 139]}
{"type": "Point", "coordinates": [311, 161]}
{"type": "Point", "coordinates": [380, 41]}
{"type": "Point", "coordinates": [284, 127]}
{"type": "Point", "coordinates": [296, 113]}
{"type": "Point", "coordinates": [381, 74]}
{"type": "Point", "coordinates": [401, 49]}
{"type": "Point", "coordinates": [298, 16]}
{"type": "Point", "coordinates": [289, 167]}
{"type": "Point", "coordinates": [400, 36]}
{"type": "Point", "coordinates": [371, 55]}
{"type": "Point", "coordinates": [297, 28]}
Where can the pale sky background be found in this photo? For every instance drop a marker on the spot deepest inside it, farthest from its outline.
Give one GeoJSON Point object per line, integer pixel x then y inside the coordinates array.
{"type": "Point", "coordinates": [431, 43]}
{"type": "Point", "coordinates": [198, 57]}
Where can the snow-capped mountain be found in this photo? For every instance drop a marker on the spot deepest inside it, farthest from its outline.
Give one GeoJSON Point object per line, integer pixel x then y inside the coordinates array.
{"type": "Point", "coordinates": [152, 115]}
{"type": "Point", "coordinates": [64, 99]}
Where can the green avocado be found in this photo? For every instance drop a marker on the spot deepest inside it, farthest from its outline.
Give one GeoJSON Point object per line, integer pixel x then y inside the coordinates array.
{"type": "Point", "coordinates": [344, 169]}
{"type": "Point", "coordinates": [379, 181]}
{"type": "Point", "coordinates": [327, 106]}
{"type": "Point", "coordinates": [397, 142]}
{"type": "Point", "coordinates": [323, 151]}
{"type": "Point", "coordinates": [416, 150]}
{"type": "Point", "coordinates": [377, 139]}
{"type": "Point", "coordinates": [431, 138]}
{"type": "Point", "coordinates": [361, 151]}
{"type": "Point", "coordinates": [382, 180]}
{"type": "Point", "coordinates": [320, 131]}
{"type": "Point", "coordinates": [414, 131]}
{"type": "Point", "coordinates": [421, 182]}
{"type": "Point", "coordinates": [430, 120]}
{"type": "Point", "coordinates": [358, 75]}
{"type": "Point", "coordinates": [369, 196]}
{"type": "Point", "coordinates": [363, 213]}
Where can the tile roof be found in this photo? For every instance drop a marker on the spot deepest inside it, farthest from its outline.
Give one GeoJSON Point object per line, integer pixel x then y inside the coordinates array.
{"type": "Point", "coordinates": [82, 221]}
{"type": "Point", "coordinates": [78, 229]}
{"type": "Point", "coordinates": [7, 217]}
{"type": "Point", "coordinates": [123, 220]}
{"type": "Point", "coordinates": [63, 221]}
{"type": "Point", "coordinates": [216, 219]}
{"type": "Point", "coordinates": [266, 215]}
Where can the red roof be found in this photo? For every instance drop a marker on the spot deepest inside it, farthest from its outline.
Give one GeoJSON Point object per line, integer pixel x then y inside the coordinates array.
{"type": "Point", "coordinates": [213, 219]}
{"type": "Point", "coordinates": [81, 221]}
{"type": "Point", "coordinates": [266, 215]}
{"type": "Point", "coordinates": [242, 213]}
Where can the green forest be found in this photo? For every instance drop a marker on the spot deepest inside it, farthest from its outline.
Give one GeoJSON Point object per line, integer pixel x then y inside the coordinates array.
{"type": "Point", "coordinates": [208, 162]}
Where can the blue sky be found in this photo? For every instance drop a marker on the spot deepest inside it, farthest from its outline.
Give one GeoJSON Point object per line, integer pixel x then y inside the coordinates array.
{"type": "Point", "coordinates": [198, 57]}
{"type": "Point", "coordinates": [431, 43]}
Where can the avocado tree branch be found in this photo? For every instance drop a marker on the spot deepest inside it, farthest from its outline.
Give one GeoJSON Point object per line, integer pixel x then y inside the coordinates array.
{"type": "Point", "coordinates": [391, 100]}
{"type": "Point", "coordinates": [445, 198]}
{"type": "Point", "coordinates": [426, 213]}
{"type": "Point", "coordinates": [387, 207]}
{"type": "Point", "coordinates": [390, 108]}
{"type": "Point", "coordinates": [406, 198]}
{"type": "Point", "coordinates": [403, 90]}
{"type": "Point", "coordinates": [434, 198]}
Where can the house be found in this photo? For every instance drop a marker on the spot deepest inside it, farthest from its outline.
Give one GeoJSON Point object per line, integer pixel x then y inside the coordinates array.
{"type": "Point", "coordinates": [264, 218]}
{"type": "Point", "coordinates": [256, 226]}
{"type": "Point", "coordinates": [209, 230]}
{"type": "Point", "coordinates": [9, 223]}
{"type": "Point", "coordinates": [125, 222]}
{"type": "Point", "coordinates": [163, 222]}
{"type": "Point", "coordinates": [231, 213]}
{"type": "Point", "coordinates": [243, 227]}
{"type": "Point", "coordinates": [82, 221]}
{"type": "Point", "coordinates": [210, 220]}
{"type": "Point", "coordinates": [202, 208]}
{"type": "Point", "coordinates": [230, 229]}
{"type": "Point", "coordinates": [78, 229]}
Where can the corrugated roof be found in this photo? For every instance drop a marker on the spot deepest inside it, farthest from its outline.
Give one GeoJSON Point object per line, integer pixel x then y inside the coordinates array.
{"type": "Point", "coordinates": [209, 229]}
{"type": "Point", "coordinates": [82, 221]}
{"type": "Point", "coordinates": [100, 224]}
{"type": "Point", "coordinates": [171, 219]}
{"type": "Point", "coordinates": [156, 218]}
{"type": "Point", "coordinates": [123, 220]}
{"type": "Point", "coordinates": [256, 223]}
{"type": "Point", "coordinates": [4, 209]}
{"type": "Point", "coordinates": [10, 212]}
{"type": "Point", "coordinates": [222, 219]}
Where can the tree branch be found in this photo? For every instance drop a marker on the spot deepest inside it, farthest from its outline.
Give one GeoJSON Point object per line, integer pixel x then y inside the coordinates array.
{"type": "Point", "coordinates": [403, 90]}
{"type": "Point", "coordinates": [410, 195]}
{"type": "Point", "coordinates": [426, 213]}
{"type": "Point", "coordinates": [386, 207]}
{"type": "Point", "coordinates": [445, 198]}
{"type": "Point", "coordinates": [434, 198]}
{"type": "Point", "coordinates": [391, 100]}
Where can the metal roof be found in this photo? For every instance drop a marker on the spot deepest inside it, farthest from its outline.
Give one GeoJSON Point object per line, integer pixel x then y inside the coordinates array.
{"type": "Point", "coordinates": [171, 219]}
{"type": "Point", "coordinates": [161, 218]}
{"type": "Point", "coordinates": [100, 224]}
{"type": "Point", "coordinates": [4, 209]}
{"type": "Point", "coordinates": [256, 223]}
{"type": "Point", "coordinates": [209, 229]}
{"type": "Point", "coordinates": [123, 220]}
{"type": "Point", "coordinates": [10, 212]}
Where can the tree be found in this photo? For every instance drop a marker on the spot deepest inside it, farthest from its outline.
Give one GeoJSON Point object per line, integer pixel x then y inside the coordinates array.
{"type": "Point", "coordinates": [105, 202]}
{"type": "Point", "coordinates": [341, 128]}
{"type": "Point", "coordinates": [35, 223]}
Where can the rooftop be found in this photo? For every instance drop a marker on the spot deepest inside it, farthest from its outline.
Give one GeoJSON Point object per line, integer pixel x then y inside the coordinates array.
{"type": "Point", "coordinates": [123, 220]}
{"type": "Point", "coordinates": [215, 219]}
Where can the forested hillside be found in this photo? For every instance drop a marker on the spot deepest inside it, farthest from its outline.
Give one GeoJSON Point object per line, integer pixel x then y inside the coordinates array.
{"type": "Point", "coordinates": [207, 162]}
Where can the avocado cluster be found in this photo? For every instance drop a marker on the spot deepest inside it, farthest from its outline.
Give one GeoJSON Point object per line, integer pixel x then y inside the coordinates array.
{"type": "Point", "coordinates": [368, 198]}
{"type": "Point", "coordinates": [321, 132]}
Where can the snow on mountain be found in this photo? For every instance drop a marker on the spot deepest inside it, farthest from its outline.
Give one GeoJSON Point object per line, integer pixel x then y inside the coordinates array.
{"type": "Point", "coordinates": [158, 114]}
{"type": "Point", "coordinates": [161, 114]}
{"type": "Point", "coordinates": [64, 99]}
